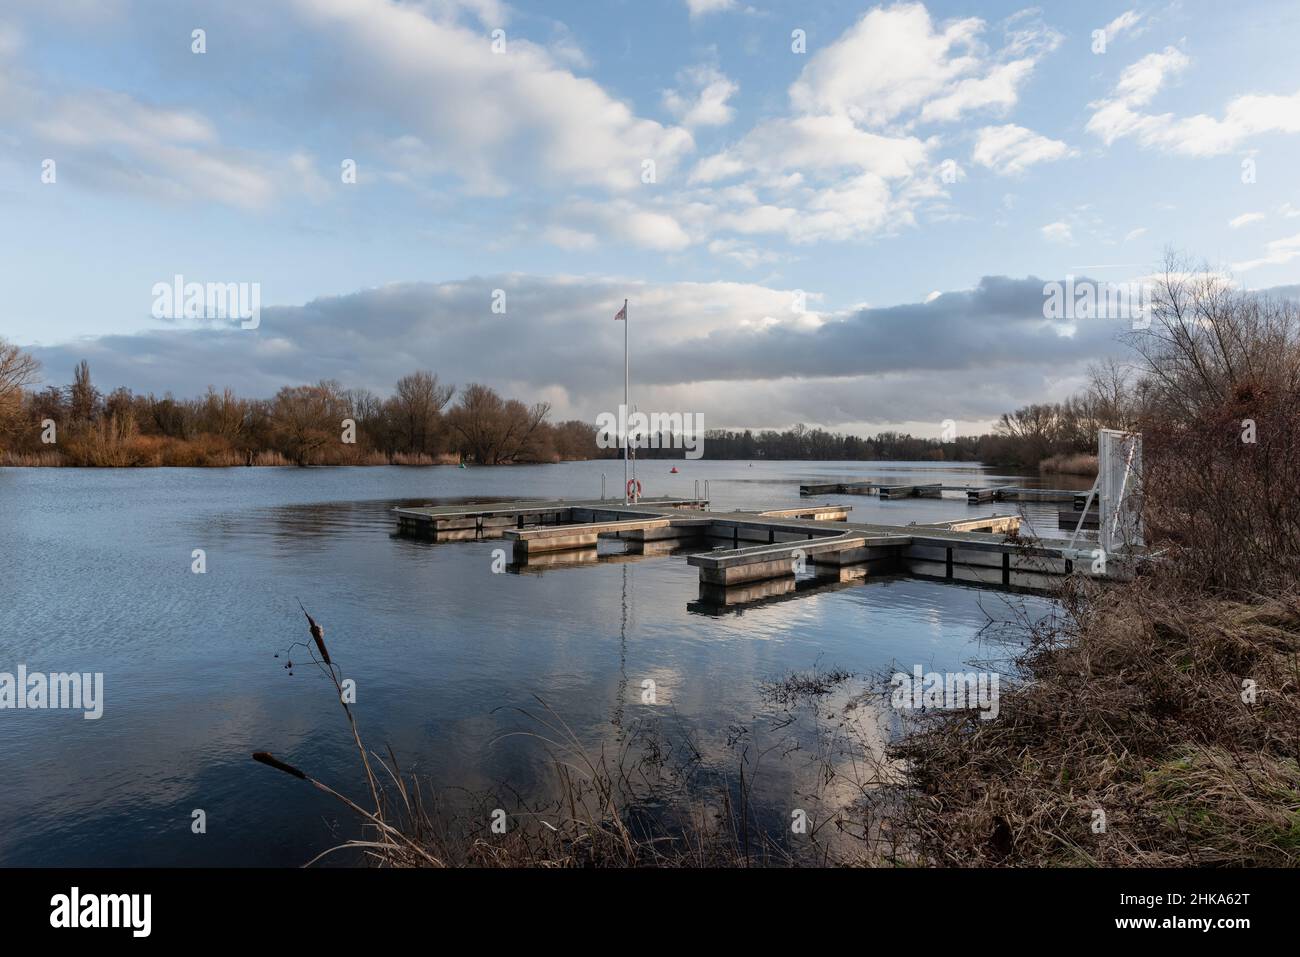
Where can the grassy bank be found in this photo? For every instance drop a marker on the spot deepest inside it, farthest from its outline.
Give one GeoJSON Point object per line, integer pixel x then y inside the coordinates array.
{"type": "Point", "coordinates": [1159, 728]}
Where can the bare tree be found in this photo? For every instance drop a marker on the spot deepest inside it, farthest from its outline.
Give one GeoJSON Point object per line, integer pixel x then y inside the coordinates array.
{"type": "Point", "coordinates": [1208, 338]}
{"type": "Point", "coordinates": [417, 411]}
{"type": "Point", "coordinates": [225, 414]}
{"type": "Point", "coordinates": [18, 369]}
{"type": "Point", "coordinates": [492, 430]}
{"type": "Point", "coordinates": [1034, 427]}
{"type": "Point", "coordinates": [83, 397]}
{"type": "Point", "coordinates": [307, 418]}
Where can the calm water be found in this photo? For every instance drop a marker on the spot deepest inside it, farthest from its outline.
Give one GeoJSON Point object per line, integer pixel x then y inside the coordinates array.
{"type": "Point", "coordinates": [95, 576]}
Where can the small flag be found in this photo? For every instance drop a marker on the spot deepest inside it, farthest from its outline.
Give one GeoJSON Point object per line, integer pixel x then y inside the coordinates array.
{"type": "Point", "coordinates": [622, 313]}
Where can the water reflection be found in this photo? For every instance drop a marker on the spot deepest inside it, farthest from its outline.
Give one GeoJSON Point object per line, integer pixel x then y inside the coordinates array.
{"type": "Point", "coordinates": [96, 577]}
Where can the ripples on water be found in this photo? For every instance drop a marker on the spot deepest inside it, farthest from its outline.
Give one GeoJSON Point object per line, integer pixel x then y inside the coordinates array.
{"type": "Point", "coordinates": [95, 571]}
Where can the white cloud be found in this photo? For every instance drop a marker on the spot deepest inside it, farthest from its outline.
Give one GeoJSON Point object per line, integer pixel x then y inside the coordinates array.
{"type": "Point", "coordinates": [488, 13]}
{"type": "Point", "coordinates": [101, 117]}
{"type": "Point", "coordinates": [1276, 253]}
{"type": "Point", "coordinates": [1119, 116]}
{"type": "Point", "coordinates": [312, 183]}
{"type": "Point", "coordinates": [1141, 81]}
{"type": "Point", "coordinates": [498, 120]}
{"type": "Point", "coordinates": [624, 220]}
{"type": "Point", "coordinates": [812, 143]}
{"type": "Point", "coordinates": [1011, 149]}
{"type": "Point", "coordinates": [110, 139]}
{"type": "Point", "coordinates": [1245, 219]}
{"type": "Point", "coordinates": [703, 101]}
{"type": "Point", "coordinates": [699, 8]}
{"type": "Point", "coordinates": [813, 178]}
{"type": "Point", "coordinates": [895, 61]}
{"type": "Point", "coordinates": [889, 62]}
{"type": "Point", "coordinates": [1000, 88]}
{"type": "Point", "coordinates": [1125, 22]}
{"type": "Point", "coordinates": [746, 254]}
{"type": "Point", "coordinates": [1057, 232]}
{"type": "Point", "coordinates": [1133, 234]}
{"type": "Point", "coordinates": [570, 239]}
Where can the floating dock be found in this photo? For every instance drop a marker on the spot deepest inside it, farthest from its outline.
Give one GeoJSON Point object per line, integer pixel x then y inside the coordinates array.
{"type": "Point", "coordinates": [766, 546]}
{"type": "Point", "coordinates": [975, 495]}
{"type": "Point", "coordinates": [840, 488]}
{"type": "Point", "coordinates": [1070, 520]}
{"type": "Point", "coordinates": [476, 520]}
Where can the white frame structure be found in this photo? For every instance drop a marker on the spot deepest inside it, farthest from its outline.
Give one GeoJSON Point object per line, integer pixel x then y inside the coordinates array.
{"type": "Point", "coordinates": [1119, 490]}
{"type": "Point", "coordinates": [1119, 472]}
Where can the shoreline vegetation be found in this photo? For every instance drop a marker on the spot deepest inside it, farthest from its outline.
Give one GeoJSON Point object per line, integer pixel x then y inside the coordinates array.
{"type": "Point", "coordinates": [426, 423]}
{"type": "Point", "coordinates": [1155, 723]}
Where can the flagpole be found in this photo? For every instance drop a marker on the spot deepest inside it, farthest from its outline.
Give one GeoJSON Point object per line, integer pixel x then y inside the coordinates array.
{"type": "Point", "coordinates": [625, 411]}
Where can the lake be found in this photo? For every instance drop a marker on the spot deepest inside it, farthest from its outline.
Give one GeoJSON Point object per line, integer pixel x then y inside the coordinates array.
{"type": "Point", "coordinates": [95, 576]}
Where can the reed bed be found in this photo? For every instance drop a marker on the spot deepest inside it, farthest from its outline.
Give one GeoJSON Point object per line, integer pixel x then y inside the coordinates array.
{"type": "Point", "coordinates": [646, 803]}
{"type": "Point", "coordinates": [1065, 464]}
{"type": "Point", "coordinates": [31, 459]}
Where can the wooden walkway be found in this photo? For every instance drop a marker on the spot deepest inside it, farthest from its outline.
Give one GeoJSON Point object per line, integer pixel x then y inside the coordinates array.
{"type": "Point", "coordinates": [759, 546]}
{"type": "Point", "coordinates": [975, 495]}
{"type": "Point", "coordinates": [475, 519]}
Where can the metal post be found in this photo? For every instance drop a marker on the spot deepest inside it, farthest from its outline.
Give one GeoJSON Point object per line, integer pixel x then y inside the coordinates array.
{"type": "Point", "coordinates": [624, 423]}
{"type": "Point", "coordinates": [1087, 504]}
{"type": "Point", "coordinates": [636, 496]}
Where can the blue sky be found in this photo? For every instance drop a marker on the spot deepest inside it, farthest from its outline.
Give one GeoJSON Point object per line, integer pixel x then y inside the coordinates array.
{"type": "Point", "coordinates": [912, 149]}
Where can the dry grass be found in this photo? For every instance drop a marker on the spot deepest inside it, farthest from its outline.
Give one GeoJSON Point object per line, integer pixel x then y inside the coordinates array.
{"type": "Point", "coordinates": [1062, 464]}
{"type": "Point", "coordinates": [1134, 712]}
{"type": "Point", "coordinates": [424, 458]}
{"type": "Point", "coordinates": [48, 459]}
{"type": "Point", "coordinates": [95, 450]}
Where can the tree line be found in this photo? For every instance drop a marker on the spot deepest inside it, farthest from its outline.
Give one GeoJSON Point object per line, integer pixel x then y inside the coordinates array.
{"type": "Point", "coordinates": [817, 444]}
{"type": "Point", "coordinates": [423, 422]}
{"type": "Point", "coordinates": [426, 421]}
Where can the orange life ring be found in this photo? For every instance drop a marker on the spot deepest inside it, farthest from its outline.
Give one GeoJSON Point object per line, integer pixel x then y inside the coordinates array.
{"type": "Point", "coordinates": [631, 483]}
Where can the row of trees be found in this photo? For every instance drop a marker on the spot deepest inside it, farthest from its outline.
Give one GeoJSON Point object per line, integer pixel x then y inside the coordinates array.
{"type": "Point", "coordinates": [1035, 433]}
{"type": "Point", "coordinates": [816, 444]}
{"type": "Point", "coordinates": [424, 421]}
